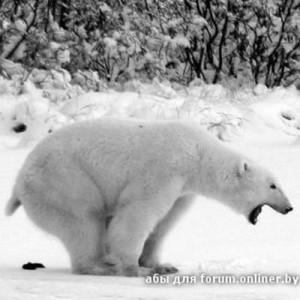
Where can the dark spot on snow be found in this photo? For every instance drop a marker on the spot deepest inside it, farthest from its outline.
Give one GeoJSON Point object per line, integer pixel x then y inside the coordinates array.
{"type": "Point", "coordinates": [141, 126]}
{"type": "Point", "coordinates": [19, 128]}
{"type": "Point", "coordinates": [287, 116]}
{"type": "Point", "coordinates": [50, 131]}
{"type": "Point", "coordinates": [33, 266]}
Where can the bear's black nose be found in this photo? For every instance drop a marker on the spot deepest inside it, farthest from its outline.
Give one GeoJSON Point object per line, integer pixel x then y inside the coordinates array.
{"type": "Point", "coordinates": [20, 128]}
{"type": "Point", "coordinates": [287, 210]}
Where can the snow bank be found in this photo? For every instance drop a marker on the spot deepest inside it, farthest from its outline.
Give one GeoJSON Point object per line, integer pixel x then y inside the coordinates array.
{"type": "Point", "coordinates": [31, 109]}
{"type": "Point", "coordinates": [278, 109]}
{"type": "Point", "coordinates": [223, 112]}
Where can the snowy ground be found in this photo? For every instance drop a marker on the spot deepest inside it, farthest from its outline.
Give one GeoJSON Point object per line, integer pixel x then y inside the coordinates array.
{"type": "Point", "coordinates": [211, 239]}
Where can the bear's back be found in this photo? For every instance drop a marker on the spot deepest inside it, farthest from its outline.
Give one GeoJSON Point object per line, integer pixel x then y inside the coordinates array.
{"type": "Point", "coordinates": [114, 143]}
{"type": "Point", "coordinates": [132, 133]}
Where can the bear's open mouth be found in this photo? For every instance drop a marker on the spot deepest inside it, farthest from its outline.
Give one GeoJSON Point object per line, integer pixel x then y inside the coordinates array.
{"type": "Point", "coordinates": [254, 214]}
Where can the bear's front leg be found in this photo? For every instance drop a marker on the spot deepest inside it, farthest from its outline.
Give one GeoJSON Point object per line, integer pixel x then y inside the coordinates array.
{"type": "Point", "coordinates": [132, 223]}
{"type": "Point", "coordinates": [153, 245]}
{"type": "Point", "coordinates": [127, 233]}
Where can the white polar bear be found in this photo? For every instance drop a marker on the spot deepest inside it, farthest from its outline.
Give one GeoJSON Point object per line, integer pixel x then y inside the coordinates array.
{"type": "Point", "coordinates": [112, 189]}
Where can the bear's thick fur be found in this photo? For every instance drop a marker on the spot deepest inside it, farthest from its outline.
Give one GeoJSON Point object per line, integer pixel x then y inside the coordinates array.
{"type": "Point", "coordinates": [112, 189]}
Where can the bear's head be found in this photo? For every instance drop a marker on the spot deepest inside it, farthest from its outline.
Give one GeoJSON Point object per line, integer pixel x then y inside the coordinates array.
{"type": "Point", "coordinates": [255, 187]}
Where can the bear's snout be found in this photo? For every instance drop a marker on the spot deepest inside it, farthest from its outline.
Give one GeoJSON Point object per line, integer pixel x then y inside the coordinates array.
{"type": "Point", "coordinates": [288, 209]}
{"type": "Point", "coordinates": [283, 209]}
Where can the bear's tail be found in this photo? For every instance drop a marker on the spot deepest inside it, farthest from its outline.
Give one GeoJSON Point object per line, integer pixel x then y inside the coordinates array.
{"type": "Point", "coordinates": [12, 205]}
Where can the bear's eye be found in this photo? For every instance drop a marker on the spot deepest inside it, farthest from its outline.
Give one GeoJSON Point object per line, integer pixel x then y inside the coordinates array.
{"type": "Point", "coordinates": [273, 186]}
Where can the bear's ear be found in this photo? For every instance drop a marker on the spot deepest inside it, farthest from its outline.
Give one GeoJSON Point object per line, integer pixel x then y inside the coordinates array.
{"type": "Point", "coordinates": [243, 167]}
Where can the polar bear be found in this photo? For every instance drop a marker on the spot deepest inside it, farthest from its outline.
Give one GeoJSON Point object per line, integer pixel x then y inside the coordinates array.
{"type": "Point", "coordinates": [112, 189]}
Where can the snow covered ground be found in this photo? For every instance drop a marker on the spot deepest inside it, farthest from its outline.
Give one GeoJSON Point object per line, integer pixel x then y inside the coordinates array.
{"type": "Point", "coordinates": [262, 124]}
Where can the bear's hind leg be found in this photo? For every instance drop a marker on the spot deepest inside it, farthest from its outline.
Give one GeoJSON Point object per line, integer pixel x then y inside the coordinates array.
{"type": "Point", "coordinates": [85, 242]}
{"type": "Point", "coordinates": [82, 236]}
{"type": "Point", "coordinates": [152, 247]}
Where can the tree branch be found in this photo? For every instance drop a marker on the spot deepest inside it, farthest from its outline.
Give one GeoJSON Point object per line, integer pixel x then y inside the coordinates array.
{"type": "Point", "coordinates": [9, 54]}
{"type": "Point", "coordinates": [222, 42]}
